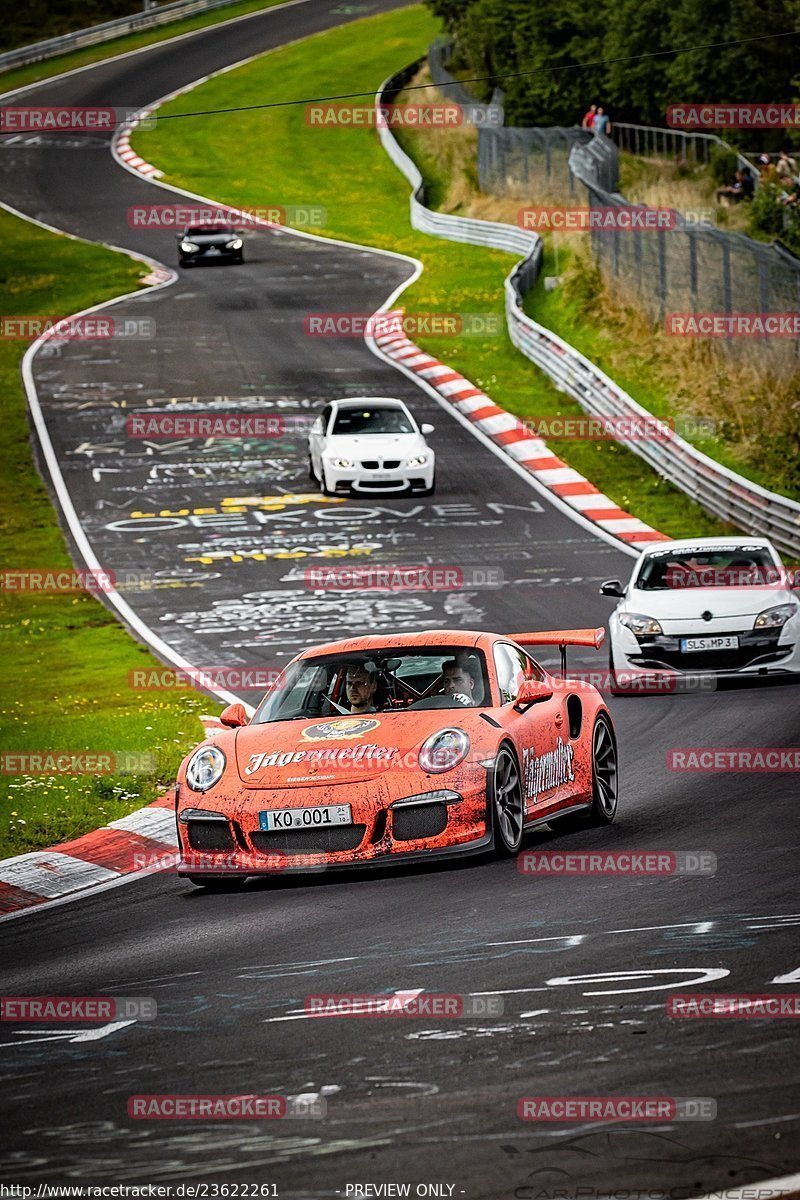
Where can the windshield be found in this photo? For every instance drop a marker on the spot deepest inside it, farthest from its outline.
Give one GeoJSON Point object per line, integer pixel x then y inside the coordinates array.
{"type": "Point", "coordinates": [732, 566]}
{"type": "Point", "coordinates": [361, 421]}
{"type": "Point", "coordinates": [200, 230]}
{"type": "Point", "coordinates": [382, 681]}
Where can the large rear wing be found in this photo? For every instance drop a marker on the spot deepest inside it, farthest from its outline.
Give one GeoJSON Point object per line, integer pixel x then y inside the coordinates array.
{"type": "Point", "coordinates": [562, 638]}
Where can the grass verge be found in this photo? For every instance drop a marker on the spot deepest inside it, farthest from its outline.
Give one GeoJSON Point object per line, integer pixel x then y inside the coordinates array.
{"type": "Point", "coordinates": [35, 72]}
{"type": "Point", "coordinates": [65, 686]}
{"type": "Point", "coordinates": [273, 156]}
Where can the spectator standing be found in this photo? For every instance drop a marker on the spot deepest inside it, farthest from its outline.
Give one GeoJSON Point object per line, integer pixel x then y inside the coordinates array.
{"type": "Point", "coordinates": [588, 117]}
{"type": "Point", "coordinates": [602, 122]}
{"type": "Point", "coordinates": [785, 168]}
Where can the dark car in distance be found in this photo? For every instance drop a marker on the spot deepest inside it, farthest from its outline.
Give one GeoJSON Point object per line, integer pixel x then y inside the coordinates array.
{"type": "Point", "coordinates": [207, 243]}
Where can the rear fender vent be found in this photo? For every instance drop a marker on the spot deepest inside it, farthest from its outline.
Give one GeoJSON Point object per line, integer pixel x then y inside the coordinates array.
{"type": "Point", "coordinates": [575, 715]}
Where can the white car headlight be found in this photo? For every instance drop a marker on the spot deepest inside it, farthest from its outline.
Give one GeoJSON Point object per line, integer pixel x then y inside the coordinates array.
{"type": "Point", "coordinates": [420, 461]}
{"type": "Point", "coordinates": [640, 625]}
{"type": "Point", "coordinates": [236, 244]}
{"type": "Point", "coordinates": [344, 464]}
{"type": "Point", "coordinates": [189, 247]}
{"type": "Point", "coordinates": [444, 750]}
{"type": "Point", "coordinates": [774, 618]}
{"type": "Point", "coordinates": [205, 768]}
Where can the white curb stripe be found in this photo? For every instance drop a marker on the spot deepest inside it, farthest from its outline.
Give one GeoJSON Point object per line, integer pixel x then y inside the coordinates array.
{"type": "Point", "coordinates": [49, 873]}
{"type": "Point", "coordinates": [156, 823]}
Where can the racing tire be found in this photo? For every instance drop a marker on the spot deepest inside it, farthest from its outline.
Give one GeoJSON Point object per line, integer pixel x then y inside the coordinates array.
{"type": "Point", "coordinates": [311, 474]}
{"type": "Point", "coordinates": [603, 807]}
{"type": "Point", "coordinates": [215, 883]}
{"type": "Point", "coordinates": [605, 776]}
{"type": "Point", "coordinates": [506, 804]}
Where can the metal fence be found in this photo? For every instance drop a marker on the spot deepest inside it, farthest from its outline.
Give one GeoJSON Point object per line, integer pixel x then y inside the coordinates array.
{"type": "Point", "coordinates": [37, 51]}
{"type": "Point", "coordinates": [692, 146]}
{"type": "Point", "coordinates": [731, 496]}
{"type": "Point", "coordinates": [693, 267]}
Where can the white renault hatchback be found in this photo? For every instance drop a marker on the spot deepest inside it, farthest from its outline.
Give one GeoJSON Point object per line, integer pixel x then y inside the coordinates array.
{"type": "Point", "coordinates": [726, 606]}
{"type": "Point", "coordinates": [370, 445]}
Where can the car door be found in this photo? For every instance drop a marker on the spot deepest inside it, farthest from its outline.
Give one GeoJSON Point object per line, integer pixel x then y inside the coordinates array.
{"type": "Point", "coordinates": [540, 733]}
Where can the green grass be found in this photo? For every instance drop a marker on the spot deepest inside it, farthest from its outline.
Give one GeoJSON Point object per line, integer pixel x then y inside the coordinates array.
{"type": "Point", "coordinates": [34, 72]}
{"type": "Point", "coordinates": [366, 198]}
{"type": "Point", "coordinates": [65, 686]}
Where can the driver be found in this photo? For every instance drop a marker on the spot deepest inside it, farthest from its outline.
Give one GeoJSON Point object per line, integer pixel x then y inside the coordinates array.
{"type": "Point", "coordinates": [361, 684]}
{"type": "Point", "coordinates": [458, 680]}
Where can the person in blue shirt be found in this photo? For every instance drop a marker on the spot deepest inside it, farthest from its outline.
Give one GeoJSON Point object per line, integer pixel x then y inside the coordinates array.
{"type": "Point", "coordinates": [602, 121]}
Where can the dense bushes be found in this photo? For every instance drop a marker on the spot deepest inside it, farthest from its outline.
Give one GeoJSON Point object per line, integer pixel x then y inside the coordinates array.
{"type": "Point", "coordinates": [547, 38]}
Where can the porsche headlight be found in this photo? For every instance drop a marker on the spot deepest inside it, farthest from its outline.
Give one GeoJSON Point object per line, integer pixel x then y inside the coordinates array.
{"type": "Point", "coordinates": [205, 768]}
{"type": "Point", "coordinates": [774, 618]}
{"type": "Point", "coordinates": [189, 247]}
{"type": "Point", "coordinates": [444, 750]}
{"type": "Point", "coordinates": [344, 464]}
{"type": "Point", "coordinates": [236, 244]}
{"type": "Point", "coordinates": [639, 625]}
{"type": "Point", "coordinates": [420, 461]}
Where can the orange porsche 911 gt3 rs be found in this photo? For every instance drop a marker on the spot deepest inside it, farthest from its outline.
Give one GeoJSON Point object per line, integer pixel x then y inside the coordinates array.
{"type": "Point", "coordinates": [379, 750]}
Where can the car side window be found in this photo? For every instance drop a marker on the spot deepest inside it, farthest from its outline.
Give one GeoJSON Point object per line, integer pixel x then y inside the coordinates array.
{"type": "Point", "coordinates": [511, 666]}
{"type": "Point", "coordinates": [324, 419]}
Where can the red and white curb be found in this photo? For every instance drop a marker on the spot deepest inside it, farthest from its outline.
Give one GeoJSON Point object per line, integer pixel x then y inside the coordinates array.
{"type": "Point", "coordinates": [123, 847]}
{"type": "Point", "coordinates": [510, 434]}
{"type": "Point", "coordinates": [129, 156]}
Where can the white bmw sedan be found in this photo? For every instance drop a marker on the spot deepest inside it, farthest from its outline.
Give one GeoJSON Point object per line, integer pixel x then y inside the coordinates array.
{"type": "Point", "coordinates": [370, 445]}
{"type": "Point", "coordinates": [724, 606]}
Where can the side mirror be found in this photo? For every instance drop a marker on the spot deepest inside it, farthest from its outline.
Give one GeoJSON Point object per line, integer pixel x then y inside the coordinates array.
{"type": "Point", "coordinates": [233, 716]}
{"type": "Point", "coordinates": [612, 587]}
{"type": "Point", "coordinates": [532, 691]}
{"type": "Point", "coordinates": [426, 428]}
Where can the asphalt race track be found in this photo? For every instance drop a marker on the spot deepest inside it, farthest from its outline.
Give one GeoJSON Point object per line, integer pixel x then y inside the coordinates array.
{"type": "Point", "coordinates": [211, 526]}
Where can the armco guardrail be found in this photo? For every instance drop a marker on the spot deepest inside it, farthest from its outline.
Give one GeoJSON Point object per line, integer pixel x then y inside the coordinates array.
{"type": "Point", "coordinates": [730, 496]}
{"type": "Point", "coordinates": [37, 51]}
